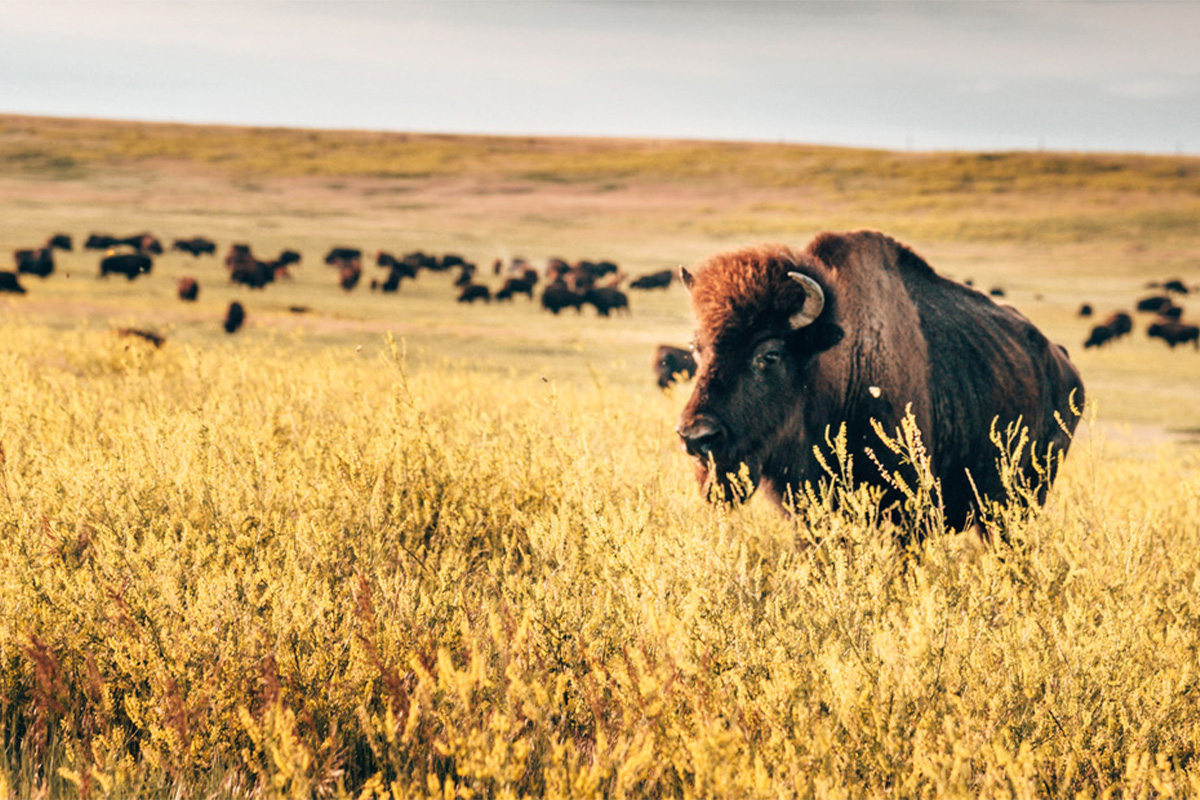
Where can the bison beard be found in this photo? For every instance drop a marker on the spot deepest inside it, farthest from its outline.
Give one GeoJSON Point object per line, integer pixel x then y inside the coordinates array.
{"type": "Point", "coordinates": [792, 345]}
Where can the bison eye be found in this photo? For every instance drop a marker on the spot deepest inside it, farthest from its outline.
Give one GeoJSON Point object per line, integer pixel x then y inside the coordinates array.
{"type": "Point", "coordinates": [767, 359]}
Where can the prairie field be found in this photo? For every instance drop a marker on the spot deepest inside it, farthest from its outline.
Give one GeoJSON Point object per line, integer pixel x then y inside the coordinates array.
{"type": "Point", "coordinates": [393, 546]}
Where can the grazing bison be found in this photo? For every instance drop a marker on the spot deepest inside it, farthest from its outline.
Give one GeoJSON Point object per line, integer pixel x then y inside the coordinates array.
{"type": "Point", "coordinates": [671, 362]}
{"type": "Point", "coordinates": [1116, 325]}
{"type": "Point", "coordinates": [1174, 285]}
{"type": "Point", "coordinates": [235, 315]}
{"type": "Point", "coordinates": [128, 264]}
{"type": "Point", "coordinates": [196, 246]}
{"type": "Point", "coordinates": [653, 280]}
{"type": "Point", "coordinates": [474, 291]}
{"type": "Point", "coordinates": [99, 241]}
{"type": "Point", "coordinates": [337, 255]}
{"type": "Point", "coordinates": [38, 262]}
{"type": "Point", "coordinates": [1174, 332]}
{"type": "Point", "coordinates": [516, 286]}
{"type": "Point", "coordinates": [1154, 303]}
{"type": "Point", "coordinates": [858, 331]}
{"type": "Point", "coordinates": [9, 283]}
{"type": "Point", "coordinates": [606, 300]}
{"type": "Point", "coordinates": [187, 288]}
{"type": "Point", "coordinates": [61, 241]}
{"type": "Point", "coordinates": [558, 296]}
{"type": "Point", "coordinates": [349, 271]}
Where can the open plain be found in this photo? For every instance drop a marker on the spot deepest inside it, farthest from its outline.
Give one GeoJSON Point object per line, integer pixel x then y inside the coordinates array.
{"type": "Point", "coordinates": [388, 544]}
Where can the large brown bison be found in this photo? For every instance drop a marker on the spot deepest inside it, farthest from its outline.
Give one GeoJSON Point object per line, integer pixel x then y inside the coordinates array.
{"type": "Point", "coordinates": [857, 328]}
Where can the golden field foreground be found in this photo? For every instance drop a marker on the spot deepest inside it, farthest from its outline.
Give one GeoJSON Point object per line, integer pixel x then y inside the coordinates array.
{"type": "Point", "coordinates": [395, 546]}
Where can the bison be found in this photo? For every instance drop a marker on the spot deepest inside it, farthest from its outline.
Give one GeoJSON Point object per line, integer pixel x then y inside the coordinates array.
{"type": "Point", "coordinates": [671, 362]}
{"type": "Point", "coordinates": [62, 241]}
{"type": "Point", "coordinates": [235, 315]}
{"type": "Point", "coordinates": [516, 286]}
{"type": "Point", "coordinates": [187, 288]}
{"type": "Point", "coordinates": [38, 262]}
{"type": "Point", "coordinates": [1174, 332]}
{"type": "Point", "coordinates": [474, 291]}
{"type": "Point", "coordinates": [196, 246]}
{"type": "Point", "coordinates": [130, 265]}
{"type": "Point", "coordinates": [653, 280]}
{"type": "Point", "coordinates": [1116, 325]}
{"type": "Point", "coordinates": [606, 300]}
{"type": "Point", "coordinates": [10, 283]}
{"type": "Point", "coordinates": [856, 337]}
{"type": "Point", "coordinates": [558, 296]}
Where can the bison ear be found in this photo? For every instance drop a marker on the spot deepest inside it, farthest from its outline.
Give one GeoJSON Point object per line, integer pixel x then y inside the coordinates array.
{"type": "Point", "coordinates": [686, 277]}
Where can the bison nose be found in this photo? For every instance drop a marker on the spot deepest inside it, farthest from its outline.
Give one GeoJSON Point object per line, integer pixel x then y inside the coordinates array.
{"type": "Point", "coordinates": [702, 436]}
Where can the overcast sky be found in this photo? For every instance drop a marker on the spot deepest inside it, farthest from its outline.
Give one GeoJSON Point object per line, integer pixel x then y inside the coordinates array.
{"type": "Point", "coordinates": [1106, 76]}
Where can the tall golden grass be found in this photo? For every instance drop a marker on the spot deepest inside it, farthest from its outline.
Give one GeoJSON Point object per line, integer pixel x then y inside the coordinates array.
{"type": "Point", "coordinates": [268, 571]}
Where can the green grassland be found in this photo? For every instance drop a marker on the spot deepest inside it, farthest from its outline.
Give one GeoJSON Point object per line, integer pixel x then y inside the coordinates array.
{"type": "Point", "coordinates": [395, 546]}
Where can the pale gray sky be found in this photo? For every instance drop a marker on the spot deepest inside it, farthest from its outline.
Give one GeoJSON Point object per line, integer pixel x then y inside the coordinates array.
{"type": "Point", "coordinates": [1110, 76]}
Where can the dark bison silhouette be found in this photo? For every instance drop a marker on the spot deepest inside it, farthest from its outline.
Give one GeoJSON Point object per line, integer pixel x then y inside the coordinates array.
{"type": "Point", "coordinates": [1174, 332]}
{"type": "Point", "coordinates": [1116, 325]}
{"type": "Point", "coordinates": [196, 246]}
{"type": "Point", "coordinates": [9, 283]}
{"type": "Point", "coordinates": [130, 265]}
{"type": "Point", "coordinates": [187, 288]}
{"type": "Point", "coordinates": [670, 362]}
{"type": "Point", "coordinates": [606, 300]}
{"type": "Point", "coordinates": [857, 330]}
{"type": "Point", "coordinates": [653, 280]}
{"type": "Point", "coordinates": [38, 261]}
{"type": "Point", "coordinates": [235, 315]}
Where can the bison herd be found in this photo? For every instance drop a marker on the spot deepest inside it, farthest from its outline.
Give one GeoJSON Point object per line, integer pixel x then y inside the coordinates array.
{"type": "Point", "coordinates": [1167, 323]}
{"type": "Point", "coordinates": [555, 286]}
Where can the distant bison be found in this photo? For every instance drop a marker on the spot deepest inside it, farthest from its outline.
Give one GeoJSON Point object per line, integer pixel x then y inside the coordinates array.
{"type": "Point", "coordinates": [235, 315]}
{"type": "Point", "coordinates": [653, 280]}
{"type": "Point", "coordinates": [1114, 327]}
{"type": "Point", "coordinates": [60, 241]}
{"type": "Point", "coordinates": [515, 286]}
{"type": "Point", "coordinates": [337, 255]}
{"type": "Point", "coordinates": [196, 246]}
{"type": "Point", "coordinates": [1155, 303]}
{"type": "Point", "coordinates": [1175, 285]}
{"type": "Point", "coordinates": [39, 262]}
{"type": "Point", "coordinates": [187, 288]}
{"type": "Point", "coordinates": [858, 333]}
{"type": "Point", "coordinates": [9, 283]}
{"type": "Point", "coordinates": [474, 291]}
{"type": "Point", "coordinates": [1085, 310]}
{"type": "Point", "coordinates": [557, 296]}
{"type": "Point", "coordinates": [670, 362]}
{"type": "Point", "coordinates": [1174, 332]}
{"type": "Point", "coordinates": [130, 265]}
{"type": "Point", "coordinates": [606, 300]}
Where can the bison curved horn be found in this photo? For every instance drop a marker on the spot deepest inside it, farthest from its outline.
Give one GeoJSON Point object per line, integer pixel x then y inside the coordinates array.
{"type": "Point", "coordinates": [686, 277]}
{"type": "Point", "coordinates": [814, 301]}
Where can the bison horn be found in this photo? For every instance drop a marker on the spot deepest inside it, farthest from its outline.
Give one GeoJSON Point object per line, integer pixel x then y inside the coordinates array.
{"type": "Point", "coordinates": [814, 301]}
{"type": "Point", "coordinates": [686, 277]}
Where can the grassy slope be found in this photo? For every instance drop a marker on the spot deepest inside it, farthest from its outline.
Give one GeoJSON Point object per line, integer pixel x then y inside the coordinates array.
{"type": "Point", "coordinates": [1053, 229]}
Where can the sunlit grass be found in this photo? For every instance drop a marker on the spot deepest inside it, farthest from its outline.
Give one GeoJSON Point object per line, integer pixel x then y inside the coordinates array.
{"type": "Point", "coordinates": [276, 570]}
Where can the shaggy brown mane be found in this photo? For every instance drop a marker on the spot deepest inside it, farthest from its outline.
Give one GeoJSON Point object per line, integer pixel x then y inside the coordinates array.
{"type": "Point", "coordinates": [749, 289]}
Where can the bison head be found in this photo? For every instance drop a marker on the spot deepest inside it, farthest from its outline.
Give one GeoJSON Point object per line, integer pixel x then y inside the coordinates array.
{"type": "Point", "coordinates": [764, 318]}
